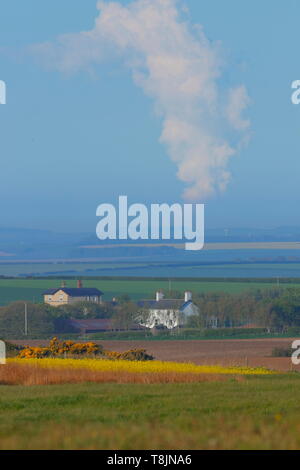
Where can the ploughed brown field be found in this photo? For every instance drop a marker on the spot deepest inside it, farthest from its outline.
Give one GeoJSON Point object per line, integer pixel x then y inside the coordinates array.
{"type": "Point", "coordinates": [246, 352]}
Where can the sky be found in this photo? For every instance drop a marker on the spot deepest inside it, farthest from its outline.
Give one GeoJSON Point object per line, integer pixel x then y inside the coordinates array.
{"type": "Point", "coordinates": [91, 117]}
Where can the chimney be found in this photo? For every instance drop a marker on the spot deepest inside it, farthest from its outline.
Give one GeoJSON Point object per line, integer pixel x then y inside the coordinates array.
{"type": "Point", "coordinates": [63, 284]}
{"type": "Point", "coordinates": [187, 296]}
{"type": "Point", "coordinates": [79, 284]}
{"type": "Point", "coordinates": [159, 295]}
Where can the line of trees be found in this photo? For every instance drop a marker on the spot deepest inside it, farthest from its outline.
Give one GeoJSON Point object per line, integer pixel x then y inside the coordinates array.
{"type": "Point", "coordinates": [276, 308]}
{"type": "Point", "coordinates": [43, 319]}
{"type": "Point", "coordinates": [270, 308]}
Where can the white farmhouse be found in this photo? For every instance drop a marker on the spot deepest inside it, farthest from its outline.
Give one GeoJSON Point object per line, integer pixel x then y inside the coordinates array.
{"type": "Point", "coordinates": [170, 313]}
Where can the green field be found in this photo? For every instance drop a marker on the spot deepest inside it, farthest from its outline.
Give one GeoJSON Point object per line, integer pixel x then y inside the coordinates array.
{"type": "Point", "coordinates": [55, 268]}
{"type": "Point", "coordinates": [256, 413]}
{"type": "Point", "coordinates": [158, 268]}
{"type": "Point", "coordinates": [31, 289]}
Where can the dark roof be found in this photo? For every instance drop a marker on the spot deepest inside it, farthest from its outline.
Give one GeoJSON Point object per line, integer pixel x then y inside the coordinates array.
{"type": "Point", "coordinates": [75, 291]}
{"type": "Point", "coordinates": [164, 304]}
{"type": "Point", "coordinates": [101, 324]}
{"type": "Point", "coordinates": [97, 324]}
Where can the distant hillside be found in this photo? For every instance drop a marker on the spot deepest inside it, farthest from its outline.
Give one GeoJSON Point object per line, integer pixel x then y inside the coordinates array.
{"type": "Point", "coordinates": [30, 244]}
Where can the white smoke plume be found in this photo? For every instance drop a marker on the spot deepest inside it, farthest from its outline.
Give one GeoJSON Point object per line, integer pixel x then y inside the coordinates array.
{"type": "Point", "coordinates": [238, 102]}
{"type": "Point", "coordinates": [179, 68]}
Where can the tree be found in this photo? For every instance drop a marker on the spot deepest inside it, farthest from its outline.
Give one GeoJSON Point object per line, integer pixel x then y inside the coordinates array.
{"type": "Point", "coordinates": [124, 299]}
{"type": "Point", "coordinates": [125, 316]}
{"type": "Point", "coordinates": [39, 318]}
{"type": "Point", "coordinates": [81, 310]}
{"type": "Point", "coordinates": [286, 309]}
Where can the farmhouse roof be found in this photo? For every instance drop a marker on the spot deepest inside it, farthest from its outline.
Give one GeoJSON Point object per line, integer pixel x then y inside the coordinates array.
{"type": "Point", "coordinates": [94, 325]}
{"type": "Point", "coordinates": [164, 304]}
{"type": "Point", "coordinates": [75, 292]}
{"type": "Point", "coordinates": [91, 324]}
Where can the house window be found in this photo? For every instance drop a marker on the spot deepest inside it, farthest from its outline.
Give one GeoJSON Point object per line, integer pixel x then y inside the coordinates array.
{"type": "Point", "coordinates": [50, 298]}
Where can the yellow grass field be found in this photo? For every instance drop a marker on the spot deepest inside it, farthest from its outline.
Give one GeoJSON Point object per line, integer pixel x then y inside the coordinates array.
{"type": "Point", "coordinates": [47, 371]}
{"type": "Point", "coordinates": [140, 366]}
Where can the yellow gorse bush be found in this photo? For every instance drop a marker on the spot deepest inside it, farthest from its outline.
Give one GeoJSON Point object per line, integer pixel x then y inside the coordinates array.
{"type": "Point", "coordinates": [131, 355]}
{"type": "Point", "coordinates": [66, 349]}
{"type": "Point", "coordinates": [60, 348]}
{"type": "Point", "coordinates": [34, 353]}
{"type": "Point", "coordinates": [143, 367]}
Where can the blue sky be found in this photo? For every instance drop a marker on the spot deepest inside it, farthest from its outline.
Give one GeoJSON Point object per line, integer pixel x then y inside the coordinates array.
{"type": "Point", "coordinates": [72, 141]}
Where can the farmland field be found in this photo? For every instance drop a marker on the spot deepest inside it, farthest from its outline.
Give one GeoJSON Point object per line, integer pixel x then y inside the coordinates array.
{"type": "Point", "coordinates": [235, 352]}
{"type": "Point", "coordinates": [222, 264]}
{"type": "Point", "coordinates": [253, 413]}
{"type": "Point", "coordinates": [31, 289]}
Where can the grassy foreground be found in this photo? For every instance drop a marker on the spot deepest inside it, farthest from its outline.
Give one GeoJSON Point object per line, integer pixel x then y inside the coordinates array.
{"type": "Point", "coordinates": [258, 412]}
